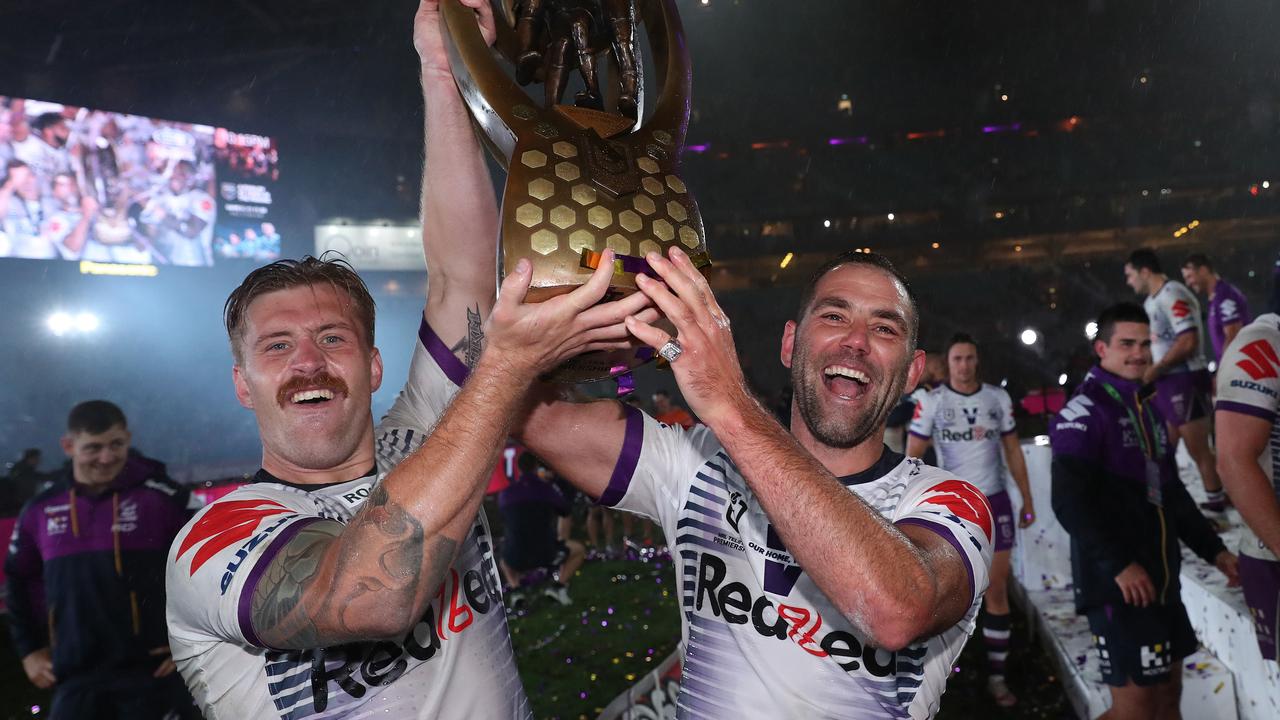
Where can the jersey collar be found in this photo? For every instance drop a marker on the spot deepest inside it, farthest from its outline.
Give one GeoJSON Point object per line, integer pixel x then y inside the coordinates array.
{"type": "Point", "coordinates": [262, 476]}
{"type": "Point", "coordinates": [963, 394]}
{"type": "Point", "coordinates": [887, 462]}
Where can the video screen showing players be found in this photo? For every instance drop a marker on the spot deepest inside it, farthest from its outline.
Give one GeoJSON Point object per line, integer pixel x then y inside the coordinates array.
{"type": "Point", "coordinates": [84, 184]}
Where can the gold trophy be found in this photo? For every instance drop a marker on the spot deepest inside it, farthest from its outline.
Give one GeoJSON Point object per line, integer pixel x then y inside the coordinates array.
{"type": "Point", "coordinates": [588, 176]}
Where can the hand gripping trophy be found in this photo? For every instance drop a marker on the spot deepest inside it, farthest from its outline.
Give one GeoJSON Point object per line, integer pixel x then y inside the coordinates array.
{"type": "Point", "coordinates": [588, 176]}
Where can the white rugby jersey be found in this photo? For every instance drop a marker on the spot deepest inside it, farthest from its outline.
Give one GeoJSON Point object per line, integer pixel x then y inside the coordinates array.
{"type": "Point", "coordinates": [1249, 383]}
{"type": "Point", "coordinates": [760, 639]}
{"type": "Point", "coordinates": [180, 249]}
{"type": "Point", "coordinates": [455, 663]}
{"type": "Point", "coordinates": [966, 432]}
{"type": "Point", "coordinates": [1175, 311]}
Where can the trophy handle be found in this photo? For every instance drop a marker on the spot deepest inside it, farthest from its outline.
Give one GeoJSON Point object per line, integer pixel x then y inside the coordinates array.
{"type": "Point", "coordinates": [488, 91]}
{"type": "Point", "coordinates": [671, 60]}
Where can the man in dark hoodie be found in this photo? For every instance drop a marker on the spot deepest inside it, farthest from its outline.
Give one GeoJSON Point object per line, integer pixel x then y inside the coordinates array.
{"type": "Point", "coordinates": [85, 576]}
{"type": "Point", "coordinates": [1117, 493]}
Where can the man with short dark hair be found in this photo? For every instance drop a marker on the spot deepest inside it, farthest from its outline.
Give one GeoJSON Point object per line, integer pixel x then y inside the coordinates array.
{"type": "Point", "coordinates": [179, 217]}
{"type": "Point", "coordinates": [1117, 493]}
{"type": "Point", "coordinates": [1228, 307]}
{"type": "Point", "coordinates": [85, 576]}
{"type": "Point", "coordinates": [821, 575]}
{"type": "Point", "coordinates": [971, 424]}
{"type": "Point", "coordinates": [45, 150]}
{"type": "Point", "coordinates": [1180, 369]}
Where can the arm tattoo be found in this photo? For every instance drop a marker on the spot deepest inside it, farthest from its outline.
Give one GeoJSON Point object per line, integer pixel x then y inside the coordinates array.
{"type": "Point", "coordinates": [316, 595]}
{"type": "Point", "coordinates": [471, 345]}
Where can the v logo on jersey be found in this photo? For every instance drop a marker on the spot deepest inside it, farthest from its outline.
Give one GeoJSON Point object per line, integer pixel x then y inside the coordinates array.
{"type": "Point", "coordinates": [970, 414]}
{"type": "Point", "coordinates": [1180, 309]}
{"type": "Point", "coordinates": [226, 524]}
{"type": "Point", "coordinates": [779, 577]}
{"type": "Point", "coordinates": [1260, 360]}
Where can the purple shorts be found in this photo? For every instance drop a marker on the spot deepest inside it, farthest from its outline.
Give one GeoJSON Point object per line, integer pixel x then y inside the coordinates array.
{"type": "Point", "coordinates": [1184, 396]}
{"type": "Point", "coordinates": [1002, 511]}
{"type": "Point", "coordinates": [1261, 582]}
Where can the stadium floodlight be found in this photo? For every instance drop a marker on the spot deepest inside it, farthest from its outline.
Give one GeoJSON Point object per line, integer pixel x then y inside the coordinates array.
{"type": "Point", "coordinates": [1091, 330]}
{"type": "Point", "coordinates": [1062, 379]}
{"type": "Point", "coordinates": [87, 322]}
{"type": "Point", "coordinates": [1029, 337]}
{"type": "Point", "coordinates": [60, 323]}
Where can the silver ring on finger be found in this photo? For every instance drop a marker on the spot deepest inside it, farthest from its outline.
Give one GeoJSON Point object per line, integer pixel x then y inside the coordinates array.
{"type": "Point", "coordinates": [671, 350]}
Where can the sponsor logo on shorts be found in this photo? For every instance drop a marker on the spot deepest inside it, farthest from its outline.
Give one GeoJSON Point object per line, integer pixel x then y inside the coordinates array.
{"type": "Point", "coordinates": [1156, 659]}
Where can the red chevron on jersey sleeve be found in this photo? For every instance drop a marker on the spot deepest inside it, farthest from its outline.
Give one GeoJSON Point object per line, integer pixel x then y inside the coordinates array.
{"type": "Point", "coordinates": [1180, 309]}
{"type": "Point", "coordinates": [225, 524]}
{"type": "Point", "coordinates": [1260, 360]}
{"type": "Point", "coordinates": [963, 500]}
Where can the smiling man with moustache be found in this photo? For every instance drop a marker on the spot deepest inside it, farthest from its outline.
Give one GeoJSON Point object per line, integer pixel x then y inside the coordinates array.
{"type": "Point", "coordinates": [355, 577]}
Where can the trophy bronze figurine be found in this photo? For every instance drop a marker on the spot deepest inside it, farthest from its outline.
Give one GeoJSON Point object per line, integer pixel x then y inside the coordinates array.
{"type": "Point", "coordinates": [590, 175]}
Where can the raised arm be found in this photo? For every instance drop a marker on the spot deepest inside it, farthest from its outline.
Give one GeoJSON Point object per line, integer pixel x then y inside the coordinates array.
{"type": "Point", "coordinates": [459, 212]}
{"type": "Point", "coordinates": [893, 584]}
{"type": "Point", "coordinates": [459, 236]}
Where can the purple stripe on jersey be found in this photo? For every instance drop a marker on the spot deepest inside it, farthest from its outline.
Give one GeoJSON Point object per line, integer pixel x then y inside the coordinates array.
{"type": "Point", "coordinates": [1244, 409]}
{"type": "Point", "coordinates": [916, 434]}
{"type": "Point", "coordinates": [453, 368]}
{"type": "Point", "coordinates": [632, 441]}
{"type": "Point", "coordinates": [1184, 332]}
{"type": "Point", "coordinates": [246, 595]}
{"type": "Point", "coordinates": [947, 535]}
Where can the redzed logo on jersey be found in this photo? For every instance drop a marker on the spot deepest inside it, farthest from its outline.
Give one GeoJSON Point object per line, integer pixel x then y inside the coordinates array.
{"type": "Point", "coordinates": [225, 524]}
{"type": "Point", "coordinates": [918, 412]}
{"type": "Point", "coordinates": [963, 500]}
{"type": "Point", "coordinates": [1260, 360]}
{"type": "Point", "coordinates": [1181, 309]}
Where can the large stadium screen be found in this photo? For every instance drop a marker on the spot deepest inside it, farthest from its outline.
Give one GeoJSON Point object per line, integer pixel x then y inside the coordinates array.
{"type": "Point", "coordinates": [104, 187]}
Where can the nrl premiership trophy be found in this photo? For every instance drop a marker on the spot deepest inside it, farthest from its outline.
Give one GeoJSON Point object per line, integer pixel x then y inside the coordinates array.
{"type": "Point", "coordinates": [591, 175]}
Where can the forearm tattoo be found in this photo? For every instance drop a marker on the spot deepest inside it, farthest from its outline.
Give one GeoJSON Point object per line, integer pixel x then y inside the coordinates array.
{"type": "Point", "coordinates": [315, 595]}
{"type": "Point", "coordinates": [471, 345]}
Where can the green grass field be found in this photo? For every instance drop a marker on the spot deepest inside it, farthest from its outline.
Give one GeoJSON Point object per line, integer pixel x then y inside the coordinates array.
{"type": "Point", "coordinates": [623, 622]}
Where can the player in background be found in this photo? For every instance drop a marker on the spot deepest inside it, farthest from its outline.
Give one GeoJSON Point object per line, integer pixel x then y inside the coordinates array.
{"type": "Point", "coordinates": [970, 424]}
{"type": "Point", "coordinates": [1228, 307]}
{"type": "Point", "coordinates": [179, 218]}
{"type": "Point", "coordinates": [1117, 493]}
{"type": "Point", "coordinates": [1180, 370]}
{"type": "Point", "coordinates": [1247, 415]}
